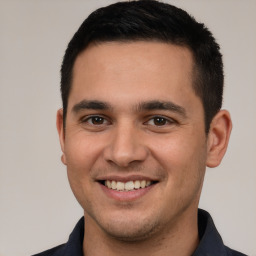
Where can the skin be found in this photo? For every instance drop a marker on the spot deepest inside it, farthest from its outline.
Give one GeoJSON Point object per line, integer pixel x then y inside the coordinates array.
{"type": "Point", "coordinates": [127, 141]}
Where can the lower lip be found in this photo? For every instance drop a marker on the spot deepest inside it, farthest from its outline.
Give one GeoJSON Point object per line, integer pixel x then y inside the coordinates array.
{"type": "Point", "coordinates": [126, 195]}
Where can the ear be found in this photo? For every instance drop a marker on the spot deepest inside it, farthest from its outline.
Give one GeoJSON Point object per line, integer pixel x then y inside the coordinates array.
{"type": "Point", "coordinates": [61, 132]}
{"type": "Point", "coordinates": [218, 138]}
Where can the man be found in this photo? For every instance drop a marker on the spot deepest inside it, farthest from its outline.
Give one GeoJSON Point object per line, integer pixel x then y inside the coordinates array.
{"type": "Point", "coordinates": [142, 86]}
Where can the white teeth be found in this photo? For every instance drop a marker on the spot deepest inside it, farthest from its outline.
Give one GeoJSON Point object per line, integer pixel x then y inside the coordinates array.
{"type": "Point", "coordinates": [137, 184]}
{"type": "Point", "coordinates": [127, 186]}
{"type": "Point", "coordinates": [120, 185]}
{"type": "Point", "coordinates": [108, 184]}
{"type": "Point", "coordinates": [113, 184]}
{"type": "Point", "coordinates": [143, 184]}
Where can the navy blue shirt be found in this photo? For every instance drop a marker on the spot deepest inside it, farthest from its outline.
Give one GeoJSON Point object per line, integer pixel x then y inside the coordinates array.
{"type": "Point", "coordinates": [210, 244]}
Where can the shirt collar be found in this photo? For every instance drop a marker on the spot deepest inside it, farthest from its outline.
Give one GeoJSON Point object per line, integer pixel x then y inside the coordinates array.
{"type": "Point", "coordinates": [74, 246]}
{"type": "Point", "coordinates": [210, 244]}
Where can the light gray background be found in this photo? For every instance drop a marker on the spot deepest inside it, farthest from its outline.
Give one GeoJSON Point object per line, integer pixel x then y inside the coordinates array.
{"type": "Point", "coordinates": [37, 208]}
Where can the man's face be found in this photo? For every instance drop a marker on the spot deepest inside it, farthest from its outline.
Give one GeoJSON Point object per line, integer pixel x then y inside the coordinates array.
{"type": "Point", "coordinates": [133, 118]}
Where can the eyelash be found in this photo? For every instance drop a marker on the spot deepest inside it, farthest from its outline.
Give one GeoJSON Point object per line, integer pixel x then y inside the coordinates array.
{"type": "Point", "coordinates": [86, 120]}
{"type": "Point", "coordinates": [167, 121]}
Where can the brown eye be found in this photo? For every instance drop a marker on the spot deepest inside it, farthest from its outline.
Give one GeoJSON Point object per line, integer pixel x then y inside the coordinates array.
{"type": "Point", "coordinates": [158, 121]}
{"type": "Point", "coordinates": [97, 120]}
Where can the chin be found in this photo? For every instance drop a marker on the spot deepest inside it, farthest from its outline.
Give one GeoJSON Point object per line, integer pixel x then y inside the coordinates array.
{"type": "Point", "coordinates": [131, 230]}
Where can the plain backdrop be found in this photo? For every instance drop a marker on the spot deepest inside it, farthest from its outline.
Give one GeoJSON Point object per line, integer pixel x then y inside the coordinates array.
{"type": "Point", "coordinates": [37, 207]}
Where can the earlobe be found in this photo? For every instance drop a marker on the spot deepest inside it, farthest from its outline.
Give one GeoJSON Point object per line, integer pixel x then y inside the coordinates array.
{"type": "Point", "coordinates": [218, 138]}
{"type": "Point", "coordinates": [60, 129]}
{"type": "Point", "coordinates": [63, 159]}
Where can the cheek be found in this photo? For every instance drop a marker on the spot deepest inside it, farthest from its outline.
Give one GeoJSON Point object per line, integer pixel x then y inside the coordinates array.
{"type": "Point", "coordinates": [183, 158]}
{"type": "Point", "coordinates": [177, 150]}
{"type": "Point", "coordinates": [81, 152]}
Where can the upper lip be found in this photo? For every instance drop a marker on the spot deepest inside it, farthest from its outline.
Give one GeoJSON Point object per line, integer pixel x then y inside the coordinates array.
{"type": "Point", "coordinates": [125, 178]}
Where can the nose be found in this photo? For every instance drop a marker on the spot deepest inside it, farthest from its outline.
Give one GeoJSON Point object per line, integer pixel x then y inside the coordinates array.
{"type": "Point", "coordinates": [126, 147]}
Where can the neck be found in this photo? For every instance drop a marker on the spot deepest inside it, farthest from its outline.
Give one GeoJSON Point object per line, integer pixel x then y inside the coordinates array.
{"type": "Point", "coordinates": [180, 240]}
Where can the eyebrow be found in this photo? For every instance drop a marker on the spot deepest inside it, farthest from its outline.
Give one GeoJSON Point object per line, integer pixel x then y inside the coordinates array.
{"type": "Point", "coordinates": [90, 104]}
{"type": "Point", "coordinates": [142, 106]}
{"type": "Point", "coordinates": [162, 105]}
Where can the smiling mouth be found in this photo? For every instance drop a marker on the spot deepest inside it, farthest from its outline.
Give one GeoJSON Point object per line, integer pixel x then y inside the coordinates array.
{"type": "Point", "coordinates": [127, 186]}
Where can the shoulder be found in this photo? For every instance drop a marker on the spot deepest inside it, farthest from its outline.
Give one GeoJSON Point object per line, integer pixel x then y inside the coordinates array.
{"type": "Point", "coordinates": [231, 252]}
{"type": "Point", "coordinates": [55, 251]}
{"type": "Point", "coordinates": [74, 245]}
{"type": "Point", "coordinates": [211, 242]}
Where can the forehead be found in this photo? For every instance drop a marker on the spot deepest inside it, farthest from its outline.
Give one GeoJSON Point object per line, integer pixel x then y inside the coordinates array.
{"type": "Point", "coordinates": [147, 54]}
{"type": "Point", "coordinates": [133, 69]}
